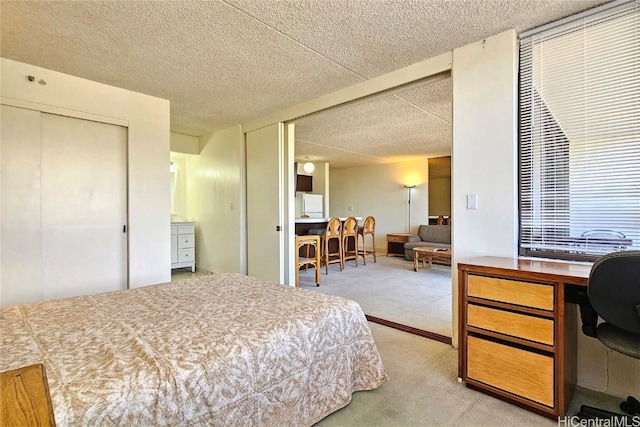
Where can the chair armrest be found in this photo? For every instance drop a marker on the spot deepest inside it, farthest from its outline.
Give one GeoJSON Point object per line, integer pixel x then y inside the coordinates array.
{"type": "Point", "coordinates": [413, 239]}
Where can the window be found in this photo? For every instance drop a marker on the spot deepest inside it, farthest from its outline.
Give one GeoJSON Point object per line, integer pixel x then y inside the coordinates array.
{"type": "Point", "coordinates": [580, 136]}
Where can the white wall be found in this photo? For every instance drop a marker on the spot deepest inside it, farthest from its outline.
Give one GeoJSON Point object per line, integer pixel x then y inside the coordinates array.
{"type": "Point", "coordinates": [147, 119]}
{"type": "Point", "coordinates": [214, 191]}
{"type": "Point", "coordinates": [379, 191]}
{"type": "Point", "coordinates": [485, 163]}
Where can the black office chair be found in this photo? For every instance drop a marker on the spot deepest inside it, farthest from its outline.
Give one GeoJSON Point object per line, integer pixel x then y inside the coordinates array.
{"type": "Point", "coordinates": [614, 295]}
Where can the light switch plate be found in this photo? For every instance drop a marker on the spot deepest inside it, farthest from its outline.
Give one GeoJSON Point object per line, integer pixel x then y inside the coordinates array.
{"type": "Point", "coordinates": [472, 201]}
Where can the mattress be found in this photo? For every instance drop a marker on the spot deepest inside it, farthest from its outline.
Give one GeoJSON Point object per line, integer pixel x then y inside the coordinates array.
{"type": "Point", "coordinates": [223, 349]}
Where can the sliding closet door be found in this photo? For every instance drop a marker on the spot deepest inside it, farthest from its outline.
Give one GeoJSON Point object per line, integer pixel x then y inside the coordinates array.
{"type": "Point", "coordinates": [84, 206]}
{"type": "Point", "coordinates": [20, 221]}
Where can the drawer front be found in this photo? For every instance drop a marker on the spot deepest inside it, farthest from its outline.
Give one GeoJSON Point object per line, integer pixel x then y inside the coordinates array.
{"type": "Point", "coordinates": [186, 229]}
{"type": "Point", "coordinates": [517, 371]}
{"type": "Point", "coordinates": [518, 325]}
{"type": "Point", "coordinates": [511, 291]}
{"type": "Point", "coordinates": [186, 255]}
{"type": "Point", "coordinates": [186, 241]}
{"type": "Point", "coordinates": [174, 229]}
{"type": "Point", "coordinates": [400, 239]}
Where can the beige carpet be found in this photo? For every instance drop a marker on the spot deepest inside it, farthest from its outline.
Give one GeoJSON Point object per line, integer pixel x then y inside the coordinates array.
{"type": "Point", "coordinates": [423, 391]}
{"type": "Point", "coordinates": [391, 290]}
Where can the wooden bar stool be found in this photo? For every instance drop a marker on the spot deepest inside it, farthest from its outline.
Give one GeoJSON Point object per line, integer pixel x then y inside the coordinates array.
{"type": "Point", "coordinates": [368, 229]}
{"type": "Point", "coordinates": [330, 253]}
{"type": "Point", "coordinates": [350, 233]}
{"type": "Point", "coordinates": [306, 261]}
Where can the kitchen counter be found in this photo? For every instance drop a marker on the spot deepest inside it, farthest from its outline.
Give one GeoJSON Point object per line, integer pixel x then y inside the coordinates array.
{"type": "Point", "coordinates": [321, 220]}
{"type": "Point", "coordinates": [303, 225]}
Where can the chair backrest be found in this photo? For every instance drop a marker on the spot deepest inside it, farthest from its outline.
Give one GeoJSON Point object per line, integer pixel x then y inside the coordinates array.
{"type": "Point", "coordinates": [448, 221]}
{"type": "Point", "coordinates": [369, 225]}
{"type": "Point", "coordinates": [333, 228]}
{"type": "Point", "coordinates": [614, 289]}
{"type": "Point", "coordinates": [350, 227]}
{"type": "Point", "coordinates": [440, 220]}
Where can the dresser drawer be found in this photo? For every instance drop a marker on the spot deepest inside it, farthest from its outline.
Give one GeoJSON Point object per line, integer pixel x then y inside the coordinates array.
{"type": "Point", "coordinates": [186, 241]}
{"type": "Point", "coordinates": [186, 229]}
{"type": "Point", "coordinates": [511, 291]}
{"type": "Point", "coordinates": [517, 371]}
{"type": "Point", "coordinates": [398, 239]}
{"type": "Point", "coordinates": [505, 322]}
{"type": "Point", "coordinates": [186, 255]}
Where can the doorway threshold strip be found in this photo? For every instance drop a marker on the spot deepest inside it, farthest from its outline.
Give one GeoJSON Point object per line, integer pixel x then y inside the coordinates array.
{"type": "Point", "coordinates": [410, 329]}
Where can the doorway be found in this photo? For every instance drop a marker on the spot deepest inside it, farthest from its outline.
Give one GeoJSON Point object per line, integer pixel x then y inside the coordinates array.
{"type": "Point", "coordinates": [375, 149]}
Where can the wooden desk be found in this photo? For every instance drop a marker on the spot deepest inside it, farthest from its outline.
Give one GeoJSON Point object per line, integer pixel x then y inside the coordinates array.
{"type": "Point", "coordinates": [25, 398]}
{"type": "Point", "coordinates": [395, 243]}
{"type": "Point", "coordinates": [517, 333]}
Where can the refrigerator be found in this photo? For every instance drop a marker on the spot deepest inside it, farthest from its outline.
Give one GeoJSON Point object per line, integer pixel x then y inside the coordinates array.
{"type": "Point", "coordinates": [312, 205]}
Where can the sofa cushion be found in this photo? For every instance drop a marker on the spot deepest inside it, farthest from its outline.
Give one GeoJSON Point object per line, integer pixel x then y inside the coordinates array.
{"type": "Point", "coordinates": [435, 233]}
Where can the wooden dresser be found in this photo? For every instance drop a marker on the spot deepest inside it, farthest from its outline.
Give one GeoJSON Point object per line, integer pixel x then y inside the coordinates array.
{"type": "Point", "coordinates": [25, 398]}
{"type": "Point", "coordinates": [518, 330]}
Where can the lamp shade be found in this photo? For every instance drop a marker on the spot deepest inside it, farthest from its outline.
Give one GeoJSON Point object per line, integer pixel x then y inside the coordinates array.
{"type": "Point", "coordinates": [308, 167]}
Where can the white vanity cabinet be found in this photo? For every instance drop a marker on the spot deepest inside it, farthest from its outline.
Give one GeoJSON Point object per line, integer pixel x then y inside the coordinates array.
{"type": "Point", "coordinates": [183, 245]}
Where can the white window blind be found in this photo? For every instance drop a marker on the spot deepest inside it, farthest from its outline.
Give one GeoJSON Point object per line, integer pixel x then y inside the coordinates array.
{"type": "Point", "coordinates": [580, 136]}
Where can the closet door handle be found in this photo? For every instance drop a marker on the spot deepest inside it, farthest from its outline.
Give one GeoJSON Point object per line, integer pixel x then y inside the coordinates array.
{"type": "Point", "coordinates": [124, 228]}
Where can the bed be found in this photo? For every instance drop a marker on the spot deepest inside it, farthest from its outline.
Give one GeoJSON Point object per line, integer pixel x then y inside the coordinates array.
{"type": "Point", "coordinates": [222, 349]}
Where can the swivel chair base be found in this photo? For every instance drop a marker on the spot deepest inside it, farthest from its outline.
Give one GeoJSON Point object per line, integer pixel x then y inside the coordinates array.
{"type": "Point", "coordinates": [631, 406]}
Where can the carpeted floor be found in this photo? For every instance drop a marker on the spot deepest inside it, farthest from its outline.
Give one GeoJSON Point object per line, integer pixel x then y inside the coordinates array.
{"type": "Point", "coordinates": [391, 290]}
{"type": "Point", "coordinates": [423, 391]}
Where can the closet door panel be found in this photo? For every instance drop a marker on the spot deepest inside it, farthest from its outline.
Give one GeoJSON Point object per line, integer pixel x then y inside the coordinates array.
{"type": "Point", "coordinates": [84, 205]}
{"type": "Point", "coordinates": [20, 220]}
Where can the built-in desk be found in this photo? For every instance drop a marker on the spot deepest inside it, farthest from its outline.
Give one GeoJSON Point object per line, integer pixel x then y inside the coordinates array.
{"type": "Point", "coordinates": [517, 331]}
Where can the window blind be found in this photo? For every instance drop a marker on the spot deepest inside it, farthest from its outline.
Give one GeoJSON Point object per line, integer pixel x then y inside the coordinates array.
{"type": "Point", "coordinates": [580, 136]}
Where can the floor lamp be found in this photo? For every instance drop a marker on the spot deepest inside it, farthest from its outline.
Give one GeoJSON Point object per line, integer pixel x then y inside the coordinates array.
{"type": "Point", "coordinates": [409, 187]}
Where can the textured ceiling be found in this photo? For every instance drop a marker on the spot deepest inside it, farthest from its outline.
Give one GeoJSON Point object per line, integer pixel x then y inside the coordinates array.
{"type": "Point", "coordinates": [227, 62]}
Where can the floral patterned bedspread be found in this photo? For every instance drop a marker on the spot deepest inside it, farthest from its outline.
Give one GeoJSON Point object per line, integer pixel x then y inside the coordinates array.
{"type": "Point", "coordinates": [223, 349]}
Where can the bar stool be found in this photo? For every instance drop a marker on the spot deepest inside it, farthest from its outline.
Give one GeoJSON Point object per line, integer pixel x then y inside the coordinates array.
{"type": "Point", "coordinates": [350, 232]}
{"type": "Point", "coordinates": [368, 228]}
{"type": "Point", "coordinates": [331, 232]}
{"type": "Point", "coordinates": [306, 261]}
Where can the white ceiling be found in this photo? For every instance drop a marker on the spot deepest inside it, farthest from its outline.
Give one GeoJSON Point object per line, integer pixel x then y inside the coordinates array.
{"type": "Point", "coordinates": [231, 61]}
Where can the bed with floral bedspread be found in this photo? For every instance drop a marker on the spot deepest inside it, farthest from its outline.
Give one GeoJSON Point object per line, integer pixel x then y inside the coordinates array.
{"type": "Point", "coordinates": [223, 349]}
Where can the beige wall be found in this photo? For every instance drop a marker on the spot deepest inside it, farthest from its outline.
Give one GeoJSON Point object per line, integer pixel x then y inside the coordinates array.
{"type": "Point", "coordinates": [379, 191]}
{"type": "Point", "coordinates": [440, 196]}
{"type": "Point", "coordinates": [320, 186]}
{"type": "Point", "coordinates": [147, 120]}
{"type": "Point", "coordinates": [184, 143]}
{"type": "Point", "coordinates": [214, 200]}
